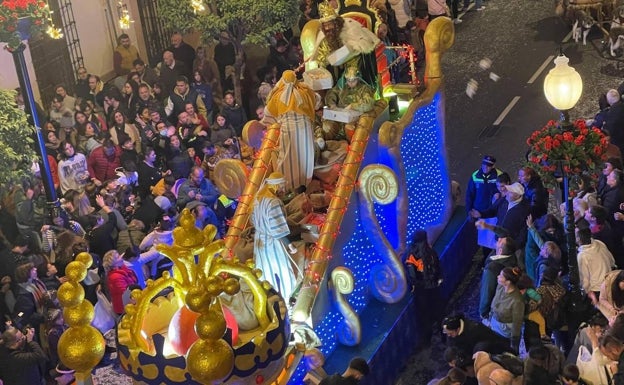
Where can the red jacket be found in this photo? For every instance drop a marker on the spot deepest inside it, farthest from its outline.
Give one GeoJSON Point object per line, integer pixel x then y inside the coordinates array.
{"type": "Point", "coordinates": [118, 281]}
{"type": "Point", "coordinates": [102, 167]}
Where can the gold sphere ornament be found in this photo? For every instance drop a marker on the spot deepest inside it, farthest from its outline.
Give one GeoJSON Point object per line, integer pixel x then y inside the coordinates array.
{"type": "Point", "coordinates": [76, 271]}
{"type": "Point", "coordinates": [214, 285]}
{"type": "Point", "coordinates": [231, 286]}
{"type": "Point", "coordinates": [70, 294]}
{"type": "Point", "coordinates": [79, 315]}
{"type": "Point", "coordinates": [211, 325]}
{"type": "Point", "coordinates": [210, 361]}
{"type": "Point", "coordinates": [81, 347]}
{"type": "Point", "coordinates": [197, 299]}
{"type": "Point", "coordinates": [85, 258]}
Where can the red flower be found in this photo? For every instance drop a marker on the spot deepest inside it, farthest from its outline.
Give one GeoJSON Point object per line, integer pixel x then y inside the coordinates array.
{"type": "Point", "coordinates": [10, 4]}
{"type": "Point", "coordinates": [556, 143]}
{"type": "Point", "coordinates": [568, 137]}
{"type": "Point", "coordinates": [579, 140]}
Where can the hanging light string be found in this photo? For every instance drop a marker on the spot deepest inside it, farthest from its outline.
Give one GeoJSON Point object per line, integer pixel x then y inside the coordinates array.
{"type": "Point", "coordinates": [198, 6]}
{"type": "Point", "coordinates": [124, 16]}
{"type": "Point", "coordinates": [339, 203]}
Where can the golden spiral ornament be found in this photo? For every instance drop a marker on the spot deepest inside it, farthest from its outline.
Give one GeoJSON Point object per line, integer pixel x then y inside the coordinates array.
{"type": "Point", "coordinates": [342, 280]}
{"type": "Point", "coordinates": [349, 330]}
{"type": "Point", "coordinates": [379, 183]}
{"type": "Point", "coordinates": [230, 176]}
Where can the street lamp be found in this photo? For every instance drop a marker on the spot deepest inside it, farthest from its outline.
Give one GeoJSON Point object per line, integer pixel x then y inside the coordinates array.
{"type": "Point", "coordinates": [563, 87]}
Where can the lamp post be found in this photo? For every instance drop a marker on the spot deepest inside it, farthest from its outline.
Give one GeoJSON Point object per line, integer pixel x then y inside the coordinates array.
{"type": "Point", "coordinates": [563, 87]}
{"type": "Point", "coordinates": [29, 101]}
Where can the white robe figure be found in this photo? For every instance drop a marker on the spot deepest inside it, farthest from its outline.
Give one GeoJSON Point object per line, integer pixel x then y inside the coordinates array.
{"type": "Point", "coordinates": [270, 253]}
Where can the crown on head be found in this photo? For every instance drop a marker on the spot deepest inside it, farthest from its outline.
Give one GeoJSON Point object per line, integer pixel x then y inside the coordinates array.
{"type": "Point", "coordinates": [326, 12]}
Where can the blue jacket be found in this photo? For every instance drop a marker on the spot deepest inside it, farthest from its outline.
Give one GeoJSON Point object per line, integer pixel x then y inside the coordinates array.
{"type": "Point", "coordinates": [206, 189]}
{"type": "Point", "coordinates": [481, 189]}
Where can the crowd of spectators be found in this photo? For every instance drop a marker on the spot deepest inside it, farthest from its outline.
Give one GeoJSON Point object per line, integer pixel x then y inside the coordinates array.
{"type": "Point", "coordinates": [126, 156]}
{"type": "Point", "coordinates": [533, 330]}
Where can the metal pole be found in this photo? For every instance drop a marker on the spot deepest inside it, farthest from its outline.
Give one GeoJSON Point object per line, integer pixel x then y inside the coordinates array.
{"type": "Point", "coordinates": [29, 101]}
{"type": "Point", "coordinates": [574, 279]}
{"type": "Point", "coordinates": [577, 307]}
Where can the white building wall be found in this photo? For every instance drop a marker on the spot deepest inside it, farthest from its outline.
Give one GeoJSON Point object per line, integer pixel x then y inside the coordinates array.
{"type": "Point", "coordinates": [96, 23]}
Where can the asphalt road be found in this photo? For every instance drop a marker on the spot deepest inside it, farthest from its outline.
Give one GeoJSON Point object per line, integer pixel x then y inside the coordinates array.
{"type": "Point", "coordinates": [521, 38]}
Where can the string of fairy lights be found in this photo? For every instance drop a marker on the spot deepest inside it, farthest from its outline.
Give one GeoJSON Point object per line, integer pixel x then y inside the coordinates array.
{"type": "Point", "coordinates": [423, 158]}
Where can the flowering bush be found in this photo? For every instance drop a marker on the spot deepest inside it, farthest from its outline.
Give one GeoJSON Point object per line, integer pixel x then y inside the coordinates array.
{"type": "Point", "coordinates": [576, 149]}
{"type": "Point", "coordinates": [12, 10]}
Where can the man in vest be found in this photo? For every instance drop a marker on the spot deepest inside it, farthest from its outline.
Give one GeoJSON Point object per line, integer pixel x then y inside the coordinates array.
{"type": "Point", "coordinates": [123, 57]}
{"type": "Point", "coordinates": [181, 95]}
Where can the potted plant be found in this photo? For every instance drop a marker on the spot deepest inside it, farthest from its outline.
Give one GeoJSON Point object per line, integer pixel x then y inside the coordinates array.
{"type": "Point", "coordinates": [21, 18]}
{"type": "Point", "coordinates": [573, 150]}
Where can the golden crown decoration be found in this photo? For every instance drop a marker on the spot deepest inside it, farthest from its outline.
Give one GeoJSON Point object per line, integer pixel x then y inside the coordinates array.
{"type": "Point", "coordinates": [326, 12]}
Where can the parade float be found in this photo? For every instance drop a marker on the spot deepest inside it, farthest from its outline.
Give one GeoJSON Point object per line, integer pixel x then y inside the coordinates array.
{"type": "Point", "coordinates": [216, 319]}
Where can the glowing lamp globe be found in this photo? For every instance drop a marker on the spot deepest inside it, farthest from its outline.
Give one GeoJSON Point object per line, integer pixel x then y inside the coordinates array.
{"type": "Point", "coordinates": [563, 85]}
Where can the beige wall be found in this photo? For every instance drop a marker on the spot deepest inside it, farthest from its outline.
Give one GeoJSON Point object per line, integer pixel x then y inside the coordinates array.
{"type": "Point", "coordinates": [95, 30]}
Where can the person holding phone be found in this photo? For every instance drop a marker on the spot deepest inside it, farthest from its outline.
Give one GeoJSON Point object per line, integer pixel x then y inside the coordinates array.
{"type": "Point", "coordinates": [22, 361]}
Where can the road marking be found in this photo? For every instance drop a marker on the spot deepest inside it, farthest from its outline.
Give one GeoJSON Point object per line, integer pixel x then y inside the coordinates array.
{"type": "Point", "coordinates": [506, 110]}
{"type": "Point", "coordinates": [567, 38]}
{"type": "Point", "coordinates": [539, 71]}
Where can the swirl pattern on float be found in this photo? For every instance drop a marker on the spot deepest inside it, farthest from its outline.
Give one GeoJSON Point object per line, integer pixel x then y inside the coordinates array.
{"type": "Point", "coordinates": [379, 184]}
{"type": "Point", "coordinates": [350, 328]}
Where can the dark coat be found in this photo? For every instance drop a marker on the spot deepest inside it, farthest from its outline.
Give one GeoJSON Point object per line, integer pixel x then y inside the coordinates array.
{"type": "Point", "coordinates": [513, 220]}
{"type": "Point", "coordinates": [186, 54]}
{"type": "Point", "coordinates": [536, 194]}
{"type": "Point", "coordinates": [180, 164]}
{"type": "Point", "coordinates": [148, 177]}
{"type": "Point", "coordinates": [23, 366]}
{"type": "Point", "coordinates": [478, 337]}
{"type": "Point", "coordinates": [168, 75]}
{"type": "Point", "coordinates": [101, 238]}
{"type": "Point", "coordinates": [614, 124]}
{"type": "Point", "coordinates": [337, 379]}
{"type": "Point", "coordinates": [236, 117]}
